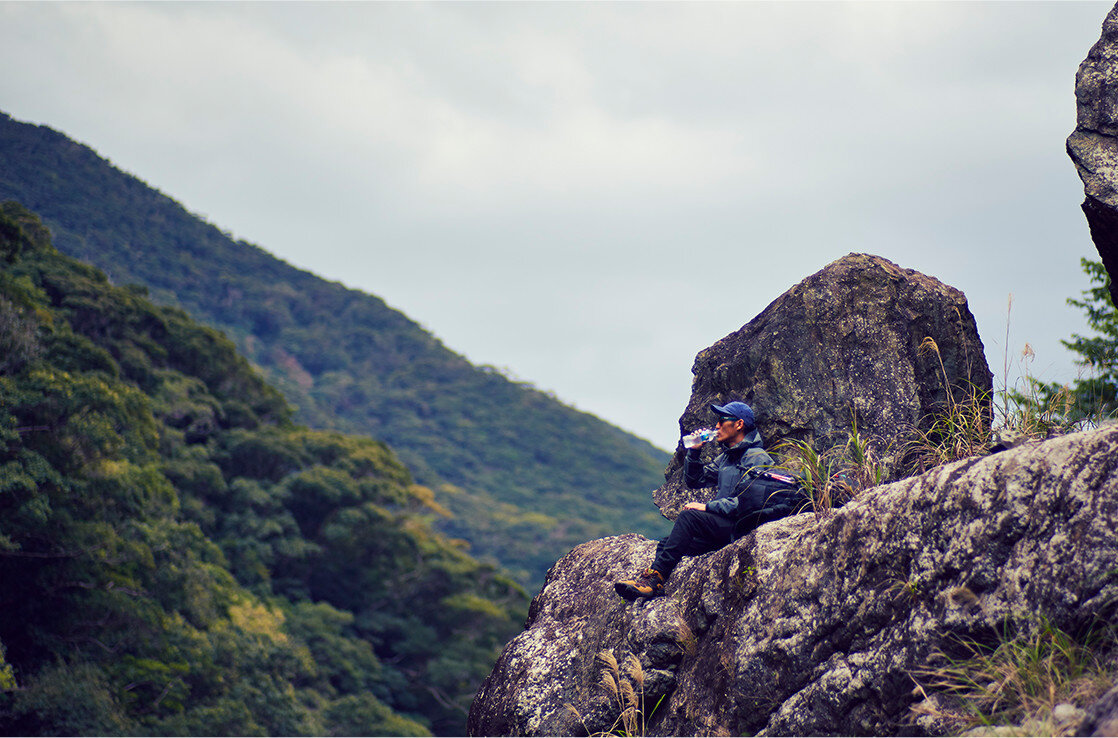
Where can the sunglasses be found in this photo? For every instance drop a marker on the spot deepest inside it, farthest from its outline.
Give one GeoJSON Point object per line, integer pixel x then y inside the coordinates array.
{"type": "Point", "coordinates": [721, 420]}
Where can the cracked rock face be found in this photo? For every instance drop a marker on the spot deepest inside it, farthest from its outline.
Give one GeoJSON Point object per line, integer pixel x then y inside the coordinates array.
{"type": "Point", "coordinates": [842, 344]}
{"type": "Point", "coordinates": [1093, 145]}
{"type": "Point", "coordinates": [814, 625]}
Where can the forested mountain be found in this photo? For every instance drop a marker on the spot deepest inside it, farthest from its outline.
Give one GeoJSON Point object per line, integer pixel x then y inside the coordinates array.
{"type": "Point", "coordinates": [178, 557]}
{"type": "Point", "coordinates": [526, 476]}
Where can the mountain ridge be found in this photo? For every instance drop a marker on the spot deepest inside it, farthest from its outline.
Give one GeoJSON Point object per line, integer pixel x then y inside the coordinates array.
{"type": "Point", "coordinates": [350, 362]}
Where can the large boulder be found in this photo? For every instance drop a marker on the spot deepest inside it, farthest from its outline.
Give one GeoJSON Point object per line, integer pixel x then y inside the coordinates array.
{"type": "Point", "coordinates": [842, 346]}
{"type": "Point", "coordinates": [815, 625]}
{"type": "Point", "coordinates": [1093, 146]}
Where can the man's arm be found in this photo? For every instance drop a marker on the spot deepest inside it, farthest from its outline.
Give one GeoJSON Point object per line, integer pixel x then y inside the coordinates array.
{"type": "Point", "coordinates": [724, 506]}
{"type": "Point", "coordinates": [695, 474]}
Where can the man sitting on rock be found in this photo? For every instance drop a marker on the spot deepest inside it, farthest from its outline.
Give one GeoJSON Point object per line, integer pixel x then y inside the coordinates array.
{"type": "Point", "coordinates": [700, 528]}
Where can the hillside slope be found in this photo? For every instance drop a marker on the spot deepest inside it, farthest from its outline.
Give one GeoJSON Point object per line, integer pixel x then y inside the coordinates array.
{"type": "Point", "coordinates": [526, 476]}
{"type": "Point", "coordinates": [179, 558]}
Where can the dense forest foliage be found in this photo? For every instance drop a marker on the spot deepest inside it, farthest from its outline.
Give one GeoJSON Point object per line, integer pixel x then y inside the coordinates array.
{"type": "Point", "coordinates": [526, 477]}
{"type": "Point", "coordinates": [178, 557]}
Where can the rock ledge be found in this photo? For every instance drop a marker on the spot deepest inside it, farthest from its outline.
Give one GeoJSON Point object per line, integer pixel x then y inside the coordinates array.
{"type": "Point", "coordinates": [812, 626]}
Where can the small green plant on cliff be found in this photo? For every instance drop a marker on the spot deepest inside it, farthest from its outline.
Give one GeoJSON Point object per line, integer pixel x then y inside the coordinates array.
{"type": "Point", "coordinates": [1038, 411]}
{"type": "Point", "coordinates": [962, 428]}
{"type": "Point", "coordinates": [904, 591]}
{"type": "Point", "coordinates": [1032, 409]}
{"type": "Point", "coordinates": [813, 467]}
{"type": "Point", "coordinates": [968, 427]}
{"type": "Point", "coordinates": [1041, 409]}
{"type": "Point", "coordinates": [837, 475]}
{"type": "Point", "coordinates": [1020, 680]}
{"type": "Point", "coordinates": [982, 421]}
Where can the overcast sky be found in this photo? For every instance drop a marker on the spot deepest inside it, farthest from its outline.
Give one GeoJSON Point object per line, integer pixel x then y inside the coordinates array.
{"type": "Point", "coordinates": [588, 194]}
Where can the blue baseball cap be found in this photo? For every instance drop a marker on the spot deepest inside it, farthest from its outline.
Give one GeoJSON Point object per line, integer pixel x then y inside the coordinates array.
{"type": "Point", "coordinates": [738, 410]}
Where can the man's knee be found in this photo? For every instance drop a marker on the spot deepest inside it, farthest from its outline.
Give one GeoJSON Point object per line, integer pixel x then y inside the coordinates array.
{"type": "Point", "coordinates": [691, 519]}
{"type": "Point", "coordinates": [689, 514]}
{"type": "Point", "coordinates": [708, 529]}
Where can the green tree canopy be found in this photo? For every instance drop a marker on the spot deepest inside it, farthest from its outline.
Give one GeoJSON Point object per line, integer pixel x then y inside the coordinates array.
{"type": "Point", "coordinates": [178, 557]}
{"type": "Point", "coordinates": [1096, 394]}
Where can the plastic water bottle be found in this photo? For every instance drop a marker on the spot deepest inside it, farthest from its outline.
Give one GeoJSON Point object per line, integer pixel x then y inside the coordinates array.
{"type": "Point", "coordinates": [698, 437]}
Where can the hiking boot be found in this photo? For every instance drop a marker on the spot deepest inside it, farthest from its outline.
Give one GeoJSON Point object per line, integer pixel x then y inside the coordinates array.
{"type": "Point", "coordinates": [649, 584]}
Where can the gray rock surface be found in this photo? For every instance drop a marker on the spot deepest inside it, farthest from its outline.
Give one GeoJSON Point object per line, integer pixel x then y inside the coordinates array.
{"type": "Point", "coordinates": [1093, 146]}
{"type": "Point", "coordinates": [813, 625]}
{"type": "Point", "coordinates": [1102, 717]}
{"type": "Point", "coordinates": [844, 342]}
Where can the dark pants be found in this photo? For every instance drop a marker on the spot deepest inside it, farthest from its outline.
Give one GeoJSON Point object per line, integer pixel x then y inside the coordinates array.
{"type": "Point", "coordinates": [695, 532]}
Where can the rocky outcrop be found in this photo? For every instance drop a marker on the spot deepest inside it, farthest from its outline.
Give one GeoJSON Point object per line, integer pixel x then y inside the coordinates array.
{"type": "Point", "coordinates": [1093, 146]}
{"type": "Point", "coordinates": [842, 345]}
{"type": "Point", "coordinates": [1102, 717]}
{"type": "Point", "coordinates": [815, 625]}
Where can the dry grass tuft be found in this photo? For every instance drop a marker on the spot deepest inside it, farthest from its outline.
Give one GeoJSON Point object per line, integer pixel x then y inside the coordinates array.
{"type": "Point", "coordinates": [627, 691]}
{"type": "Point", "coordinates": [1021, 680]}
{"type": "Point", "coordinates": [960, 430]}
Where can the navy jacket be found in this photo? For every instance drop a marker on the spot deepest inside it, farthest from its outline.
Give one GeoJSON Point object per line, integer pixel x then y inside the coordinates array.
{"type": "Point", "coordinates": [728, 474]}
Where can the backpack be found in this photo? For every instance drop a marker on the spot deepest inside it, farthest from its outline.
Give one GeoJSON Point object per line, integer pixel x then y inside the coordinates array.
{"type": "Point", "coordinates": [770, 495]}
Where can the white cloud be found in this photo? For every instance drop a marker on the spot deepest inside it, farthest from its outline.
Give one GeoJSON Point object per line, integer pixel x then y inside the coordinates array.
{"type": "Point", "coordinates": [576, 172]}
